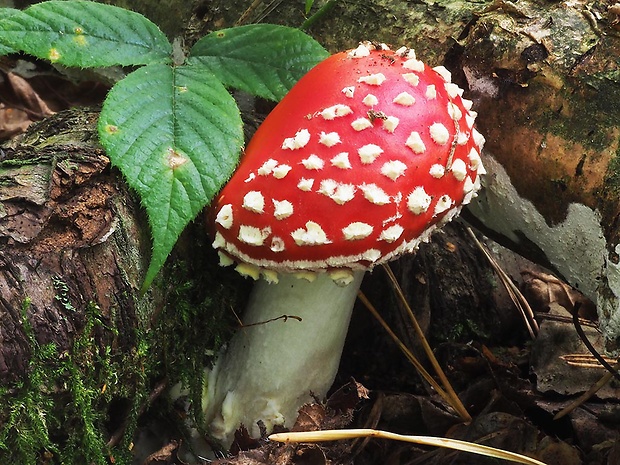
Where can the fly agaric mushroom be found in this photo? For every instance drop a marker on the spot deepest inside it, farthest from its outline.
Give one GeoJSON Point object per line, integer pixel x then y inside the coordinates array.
{"type": "Point", "coordinates": [362, 160]}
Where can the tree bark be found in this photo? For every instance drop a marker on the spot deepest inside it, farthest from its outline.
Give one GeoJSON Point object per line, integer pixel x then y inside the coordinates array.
{"type": "Point", "coordinates": [545, 81]}
{"type": "Point", "coordinates": [71, 238]}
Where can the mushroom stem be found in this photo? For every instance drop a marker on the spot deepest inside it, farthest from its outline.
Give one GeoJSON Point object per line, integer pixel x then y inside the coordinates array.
{"type": "Point", "coordinates": [274, 365]}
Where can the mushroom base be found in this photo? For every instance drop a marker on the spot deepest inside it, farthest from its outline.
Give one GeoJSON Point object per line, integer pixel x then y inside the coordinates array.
{"type": "Point", "coordinates": [292, 353]}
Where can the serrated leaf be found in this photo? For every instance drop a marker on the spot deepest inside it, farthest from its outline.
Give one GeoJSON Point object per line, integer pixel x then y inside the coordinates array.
{"type": "Point", "coordinates": [5, 13]}
{"type": "Point", "coordinates": [176, 135]}
{"type": "Point", "coordinates": [85, 34]}
{"type": "Point", "coordinates": [263, 59]}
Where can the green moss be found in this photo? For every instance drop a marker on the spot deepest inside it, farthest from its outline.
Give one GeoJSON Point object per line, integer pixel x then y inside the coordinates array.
{"type": "Point", "coordinates": [612, 181]}
{"type": "Point", "coordinates": [73, 401]}
{"type": "Point", "coordinates": [24, 436]}
{"type": "Point", "coordinates": [57, 414]}
{"type": "Point", "coordinates": [198, 317]}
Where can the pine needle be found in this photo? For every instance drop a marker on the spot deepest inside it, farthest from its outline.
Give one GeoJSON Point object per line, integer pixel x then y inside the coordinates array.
{"type": "Point", "coordinates": [455, 444]}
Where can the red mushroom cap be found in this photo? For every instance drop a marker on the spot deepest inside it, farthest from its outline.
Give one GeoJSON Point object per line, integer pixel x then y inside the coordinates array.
{"type": "Point", "coordinates": [359, 163]}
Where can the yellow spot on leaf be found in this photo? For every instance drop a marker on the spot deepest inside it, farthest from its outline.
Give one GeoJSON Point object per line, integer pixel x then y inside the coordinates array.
{"type": "Point", "coordinates": [182, 89]}
{"type": "Point", "coordinates": [111, 129]}
{"type": "Point", "coordinates": [78, 30]}
{"type": "Point", "coordinates": [80, 40]}
{"type": "Point", "coordinates": [175, 159]}
{"type": "Point", "coordinates": [54, 55]}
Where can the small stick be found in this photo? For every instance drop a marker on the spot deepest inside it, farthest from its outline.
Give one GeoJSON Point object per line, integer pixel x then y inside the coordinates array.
{"type": "Point", "coordinates": [586, 395]}
{"type": "Point", "coordinates": [515, 295]}
{"type": "Point", "coordinates": [412, 358]}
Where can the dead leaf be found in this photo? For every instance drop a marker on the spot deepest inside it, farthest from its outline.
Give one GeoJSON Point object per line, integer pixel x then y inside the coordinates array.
{"type": "Point", "coordinates": [416, 415]}
{"type": "Point", "coordinates": [30, 101]}
{"type": "Point", "coordinates": [310, 455]}
{"type": "Point", "coordinates": [311, 418]}
{"type": "Point", "coordinates": [243, 441]}
{"type": "Point", "coordinates": [558, 340]}
{"type": "Point", "coordinates": [348, 396]}
{"type": "Point", "coordinates": [12, 121]}
{"type": "Point", "coordinates": [542, 290]}
{"type": "Point", "coordinates": [554, 451]}
{"type": "Point", "coordinates": [165, 455]}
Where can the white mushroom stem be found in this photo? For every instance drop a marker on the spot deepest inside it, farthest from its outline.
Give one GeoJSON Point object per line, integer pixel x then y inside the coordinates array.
{"type": "Point", "coordinates": [270, 369]}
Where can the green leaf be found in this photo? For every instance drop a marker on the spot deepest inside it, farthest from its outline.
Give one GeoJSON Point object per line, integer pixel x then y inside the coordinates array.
{"type": "Point", "coordinates": [4, 14]}
{"type": "Point", "coordinates": [176, 135]}
{"type": "Point", "coordinates": [85, 34]}
{"type": "Point", "coordinates": [263, 59]}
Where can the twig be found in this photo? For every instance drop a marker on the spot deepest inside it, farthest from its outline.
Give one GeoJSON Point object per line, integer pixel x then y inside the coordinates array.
{"type": "Point", "coordinates": [585, 360]}
{"type": "Point", "coordinates": [412, 358]}
{"type": "Point", "coordinates": [612, 371]}
{"type": "Point", "coordinates": [566, 319]}
{"type": "Point", "coordinates": [515, 295]}
{"type": "Point", "coordinates": [586, 395]}
{"type": "Point", "coordinates": [116, 438]}
{"type": "Point", "coordinates": [244, 18]}
{"type": "Point", "coordinates": [455, 402]}
{"type": "Point", "coordinates": [589, 345]}
{"type": "Point", "coordinates": [318, 15]}
{"type": "Point", "coordinates": [281, 317]}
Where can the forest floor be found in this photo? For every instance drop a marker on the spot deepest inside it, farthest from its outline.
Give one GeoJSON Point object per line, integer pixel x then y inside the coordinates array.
{"type": "Point", "coordinates": [523, 393]}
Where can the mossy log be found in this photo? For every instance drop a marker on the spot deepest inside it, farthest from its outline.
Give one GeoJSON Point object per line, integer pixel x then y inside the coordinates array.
{"type": "Point", "coordinates": [82, 351]}
{"type": "Point", "coordinates": [70, 238]}
{"type": "Point", "coordinates": [72, 254]}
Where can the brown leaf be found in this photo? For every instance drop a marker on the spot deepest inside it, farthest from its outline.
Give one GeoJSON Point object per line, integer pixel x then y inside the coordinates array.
{"type": "Point", "coordinates": [542, 290]}
{"type": "Point", "coordinates": [557, 344]}
{"type": "Point", "coordinates": [165, 455]}
{"type": "Point", "coordinates": [311, 418]}
{"type": "Point", "coordinates": [29, 99]}
{"type": "Point", "coordinates": [310, 455]}
{"type": "Point", "coordinates": [553, 451]}
{"type": "Point", "coordinates": [243, 441]}
{"type": "Point", "coordinates": [12, 122]}
{"type": "Point", "coordinates": [347, 397]}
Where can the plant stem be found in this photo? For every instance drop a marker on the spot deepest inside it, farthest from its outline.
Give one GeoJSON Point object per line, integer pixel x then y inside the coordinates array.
{"type": "Point", "coordinates": [318, 15]}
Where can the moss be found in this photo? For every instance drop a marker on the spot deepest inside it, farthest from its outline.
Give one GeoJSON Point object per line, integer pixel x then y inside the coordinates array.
{"type": "Point", "coordinates": [58, 413]}
{"type": "Point", "coordinates": [613, 175]}
{"type": "Point", "coordinates": [201, 298]}
{"type": "Point", "coordinates": [24, 436]}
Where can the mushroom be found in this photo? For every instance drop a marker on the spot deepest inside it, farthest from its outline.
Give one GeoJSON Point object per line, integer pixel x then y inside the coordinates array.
{"type": "Point", "coordinates": [362, 160]}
